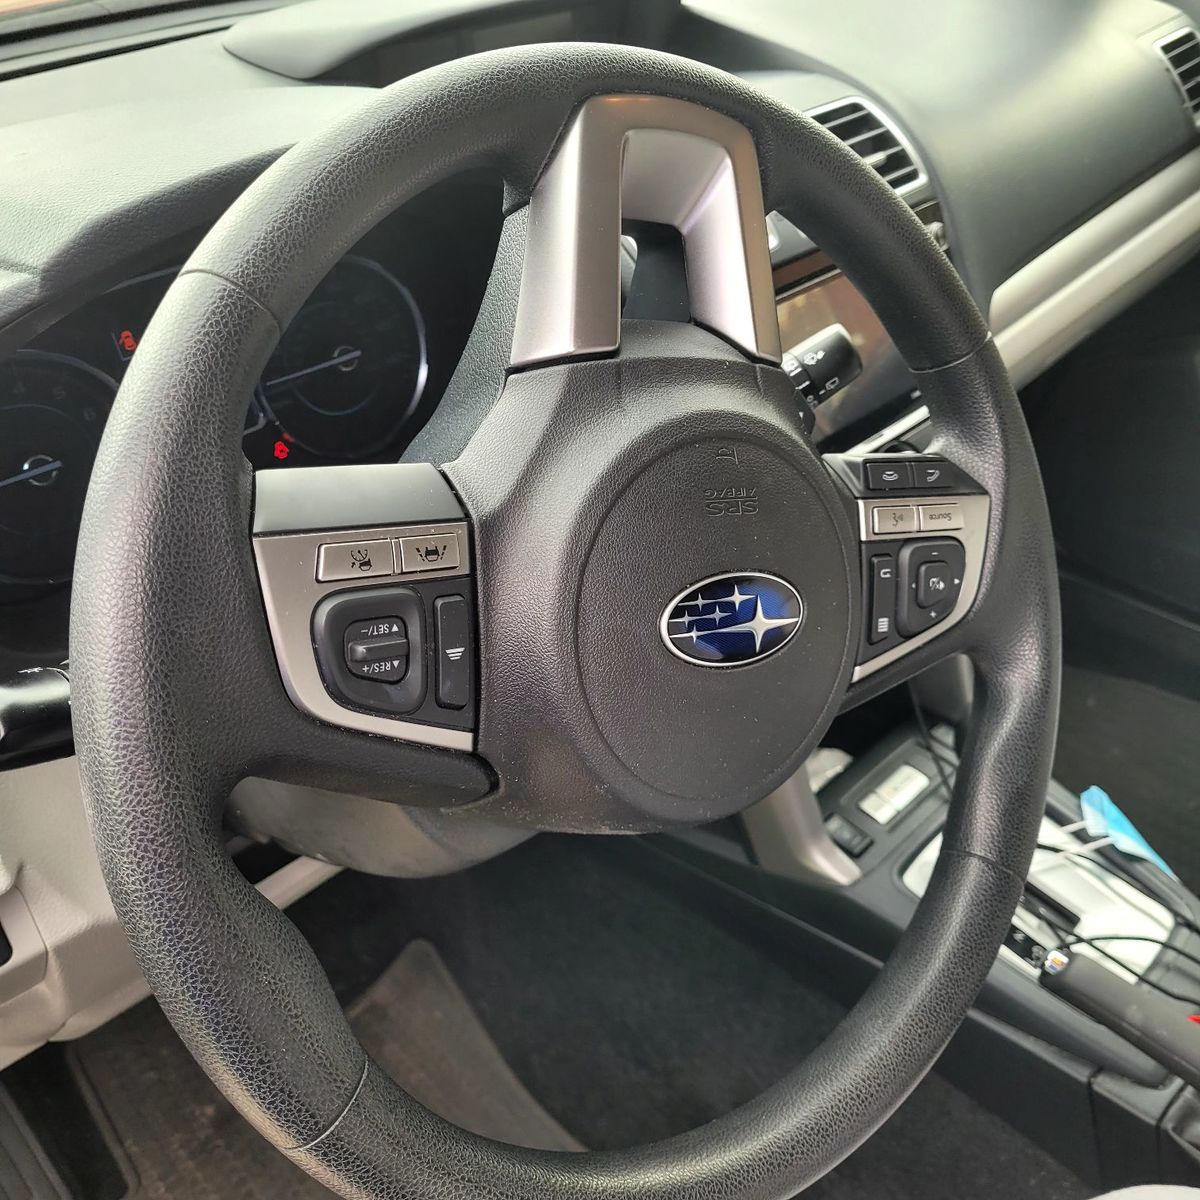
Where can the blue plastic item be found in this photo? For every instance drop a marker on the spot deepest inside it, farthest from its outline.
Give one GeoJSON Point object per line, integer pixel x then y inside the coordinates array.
{"type": "Point", "coordinates": [1104, 819]}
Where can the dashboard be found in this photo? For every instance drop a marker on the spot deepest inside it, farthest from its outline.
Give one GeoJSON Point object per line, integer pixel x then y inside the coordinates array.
{"type": "Point", "coordinates": [974, 147]}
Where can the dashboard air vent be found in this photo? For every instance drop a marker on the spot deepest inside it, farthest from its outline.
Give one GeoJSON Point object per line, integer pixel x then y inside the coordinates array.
{"type": "Point", "coordinates": [874, 139]}
{"type": "Point", "coordinates": [1181, 49]}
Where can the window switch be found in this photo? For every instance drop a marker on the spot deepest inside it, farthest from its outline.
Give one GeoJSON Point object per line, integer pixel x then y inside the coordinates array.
{"type": "Point", "coordinates": [847, 836]}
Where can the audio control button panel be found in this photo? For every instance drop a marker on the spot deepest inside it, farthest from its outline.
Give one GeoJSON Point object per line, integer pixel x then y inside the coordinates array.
{"type": "Point", "coordinates": [922, 531]}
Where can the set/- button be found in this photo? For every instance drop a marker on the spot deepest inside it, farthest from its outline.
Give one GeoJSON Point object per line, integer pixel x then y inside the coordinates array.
{"type": "Point", "coordinates": [378, 649]}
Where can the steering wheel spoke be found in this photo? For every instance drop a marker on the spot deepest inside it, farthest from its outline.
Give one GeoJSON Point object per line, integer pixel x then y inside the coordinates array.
{"type": "Point", "coordinates": [645, 158]}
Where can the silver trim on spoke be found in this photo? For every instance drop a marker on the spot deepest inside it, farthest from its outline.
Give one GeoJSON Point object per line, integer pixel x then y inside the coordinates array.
{"type": "Point", "coordinates": [645, 158]}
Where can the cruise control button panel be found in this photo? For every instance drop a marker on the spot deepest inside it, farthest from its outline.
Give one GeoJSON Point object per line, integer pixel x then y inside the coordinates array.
{"type": "Point", "coordinates": [401, 650]}
{"type": "Point", "coordinates": [352, 562]}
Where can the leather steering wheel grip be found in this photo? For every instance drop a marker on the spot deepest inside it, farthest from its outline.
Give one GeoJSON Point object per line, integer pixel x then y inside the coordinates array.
{"type": "Point", "coordinates": [177, 695]}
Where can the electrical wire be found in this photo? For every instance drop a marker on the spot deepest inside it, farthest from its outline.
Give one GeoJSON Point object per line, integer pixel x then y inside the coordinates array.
{"type": "Point", "coordinates": [927, 738]}
{"type": "Point", "coordinates": [1067, 943]}
{"type": "Point", "coordinates": [1143, 889]}
{"type": "Point", "coordinates": [1129, 937]}
{"type": "Point", "coordinates": [1068, 936]}
{"type": "Point", "coordinates": [1082, 850]}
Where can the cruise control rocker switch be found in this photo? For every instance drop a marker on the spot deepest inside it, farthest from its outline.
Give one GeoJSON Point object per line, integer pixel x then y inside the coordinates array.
{"type": "Point", "coordinates": [378, 649]}
{"type": "Point", "coordinates": [370, 648]}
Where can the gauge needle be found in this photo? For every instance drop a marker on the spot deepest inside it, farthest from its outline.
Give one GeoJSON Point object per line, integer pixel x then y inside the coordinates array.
{"type": "Point", "coordinates": [33, 472]}
{"type": "Point", "coordinates": [339, 360]}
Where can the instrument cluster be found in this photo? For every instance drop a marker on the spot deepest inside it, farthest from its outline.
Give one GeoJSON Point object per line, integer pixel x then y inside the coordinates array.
{"type": "Point", "coordinates": [353, 378]}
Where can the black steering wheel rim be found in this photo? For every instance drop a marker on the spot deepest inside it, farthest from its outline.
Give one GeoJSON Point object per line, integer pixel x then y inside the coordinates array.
{"type": "Point", "coordinates": [166, 586]}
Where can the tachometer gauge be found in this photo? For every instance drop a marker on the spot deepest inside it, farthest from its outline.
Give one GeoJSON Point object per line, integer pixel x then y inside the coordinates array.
{"type": "Point", "coordinates": [350, 368]}
{"type": "Point", "coordinates": [52, 412]}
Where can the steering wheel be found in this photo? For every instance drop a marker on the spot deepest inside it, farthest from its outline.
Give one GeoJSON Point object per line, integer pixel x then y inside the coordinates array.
{"type": "Point", "coordinates": [601, 474]}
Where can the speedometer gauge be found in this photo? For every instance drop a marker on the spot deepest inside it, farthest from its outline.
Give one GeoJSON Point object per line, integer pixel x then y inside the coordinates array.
{"type": "Point", "coordinates": [52, 412]}
{"type": "Point", "coordinates": [350, 368]}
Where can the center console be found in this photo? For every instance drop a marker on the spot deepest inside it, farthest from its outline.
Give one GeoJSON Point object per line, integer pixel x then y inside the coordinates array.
{"type": "Point", "coordinates": [1088, 1095]}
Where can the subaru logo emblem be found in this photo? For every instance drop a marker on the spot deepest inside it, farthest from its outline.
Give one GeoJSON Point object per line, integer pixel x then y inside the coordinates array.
{"type": "Point", "coordinates": [730, 620]}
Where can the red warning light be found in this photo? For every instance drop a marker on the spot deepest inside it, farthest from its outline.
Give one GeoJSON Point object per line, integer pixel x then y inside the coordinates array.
{"type": "Point", "coordinates": [281, 450]}
{"type": "Point", "coordinates": [126, 342]}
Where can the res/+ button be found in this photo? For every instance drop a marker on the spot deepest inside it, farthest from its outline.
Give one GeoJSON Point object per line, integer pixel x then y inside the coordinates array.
{"type": "Point", "coordinates": [378, 649]}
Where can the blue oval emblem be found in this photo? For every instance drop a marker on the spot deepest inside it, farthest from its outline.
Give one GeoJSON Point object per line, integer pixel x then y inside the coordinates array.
{"type": "Point", "coordinates": [729, 620]}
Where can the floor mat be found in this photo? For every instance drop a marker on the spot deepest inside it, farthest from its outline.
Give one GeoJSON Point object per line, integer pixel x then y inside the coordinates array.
{"type": "Point", "coordinates": [1142, 746]}
{"type": "Point", "coordinates": [631, 1016]}
{"type": "Point", "coordinates": [186, 1142]}
{"type": "Point", "coordinates": [420, 1028]}
{"type": "Point", "coordinates": [182, 1138]}
{"type": "Point", "coordinates": [626, 1013]}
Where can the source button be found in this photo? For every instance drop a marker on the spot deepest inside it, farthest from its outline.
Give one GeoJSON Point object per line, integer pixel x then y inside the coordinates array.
{"type": "Point", "coordinates": [939, 516]}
